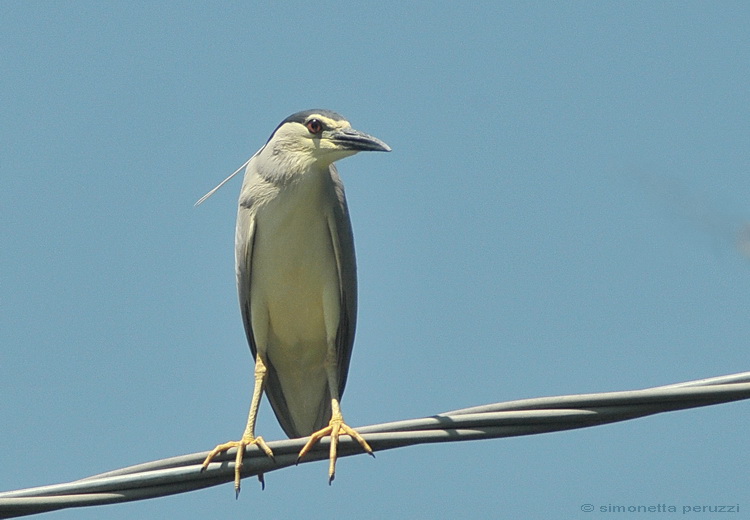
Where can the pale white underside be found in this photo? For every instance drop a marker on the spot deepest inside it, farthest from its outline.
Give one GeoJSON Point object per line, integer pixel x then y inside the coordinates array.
{"type": "Point", "coordinates": [294, 281]}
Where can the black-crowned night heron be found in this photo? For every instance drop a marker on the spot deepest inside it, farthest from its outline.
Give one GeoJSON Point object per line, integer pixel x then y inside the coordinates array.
{"type": "Point", "coordinates": [296, 277]}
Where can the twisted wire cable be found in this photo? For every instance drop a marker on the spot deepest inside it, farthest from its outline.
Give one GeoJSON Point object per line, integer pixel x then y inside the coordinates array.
{"type": "Point", "coordinates": [507, 419]}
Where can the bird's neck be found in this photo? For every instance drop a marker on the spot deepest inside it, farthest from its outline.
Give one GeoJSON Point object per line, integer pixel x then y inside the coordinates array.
{"type": "Point", "coordinates": [293, 170]}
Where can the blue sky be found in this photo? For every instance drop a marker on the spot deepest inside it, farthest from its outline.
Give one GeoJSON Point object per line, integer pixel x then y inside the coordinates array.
{"type": "Point", "coordinates": [559, 215]}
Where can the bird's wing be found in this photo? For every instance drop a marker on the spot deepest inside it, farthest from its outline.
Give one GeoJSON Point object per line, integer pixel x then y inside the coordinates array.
{"type": "Point", "coordinates": [342, 239]}
{"type": "Point", "coordinates": [243, 243]}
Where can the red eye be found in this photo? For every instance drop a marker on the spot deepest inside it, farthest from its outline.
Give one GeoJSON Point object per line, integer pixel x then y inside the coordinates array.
{"type": "Point", "coordinates": [314, 126]}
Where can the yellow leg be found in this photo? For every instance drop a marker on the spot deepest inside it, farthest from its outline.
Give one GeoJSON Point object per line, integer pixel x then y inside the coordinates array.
{"type": "Point", "coordinates": [336, 426]}
{"type": "Point", "coordinates": [248, 438]}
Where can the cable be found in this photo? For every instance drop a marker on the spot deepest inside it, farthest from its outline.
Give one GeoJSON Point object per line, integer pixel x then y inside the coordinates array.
{"type": "Point", "coordinates": [508, 419]}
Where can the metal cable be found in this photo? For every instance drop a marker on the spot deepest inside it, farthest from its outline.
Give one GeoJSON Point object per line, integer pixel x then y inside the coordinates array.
{"type": "Point", "coordinates": [513, 418]}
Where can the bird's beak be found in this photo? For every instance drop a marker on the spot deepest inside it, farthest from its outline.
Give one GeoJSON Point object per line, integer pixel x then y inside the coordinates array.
{"type": "Point", "coordinates": [351, 139]}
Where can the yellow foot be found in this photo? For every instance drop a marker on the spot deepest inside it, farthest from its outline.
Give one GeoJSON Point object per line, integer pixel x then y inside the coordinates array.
{"type": "Point", "coordinates": [240, 445]}
{"type": "Point", "coordinates": [335, 428]}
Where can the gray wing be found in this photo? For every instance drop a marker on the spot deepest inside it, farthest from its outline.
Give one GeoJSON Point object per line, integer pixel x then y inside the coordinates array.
{"type": "Point", "coordinates": [343, 243]}
{"type": "Point", "coordinates": [243, 243]}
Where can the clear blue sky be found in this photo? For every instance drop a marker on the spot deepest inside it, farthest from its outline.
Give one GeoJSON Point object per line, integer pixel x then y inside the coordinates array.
{"type": "Point", "coordinates": [558, 215]}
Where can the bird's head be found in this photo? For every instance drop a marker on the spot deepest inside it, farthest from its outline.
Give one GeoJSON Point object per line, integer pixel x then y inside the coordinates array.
{"type": "Point", "coordinates": [318, 137]}
{"type": "Point", "coordinates": [306, 140]}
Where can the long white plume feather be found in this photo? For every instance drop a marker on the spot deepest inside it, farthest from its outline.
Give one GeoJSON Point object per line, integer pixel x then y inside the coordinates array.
{"type": "Point", "coordinates": [222, 183]}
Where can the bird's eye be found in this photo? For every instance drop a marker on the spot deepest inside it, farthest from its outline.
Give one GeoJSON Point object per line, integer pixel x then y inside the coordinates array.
{"type": "Point", "coordinates": [314, 126]}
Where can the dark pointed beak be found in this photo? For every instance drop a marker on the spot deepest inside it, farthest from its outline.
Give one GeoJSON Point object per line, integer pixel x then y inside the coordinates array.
{"type": "Point", "coordinates": [350, 139]}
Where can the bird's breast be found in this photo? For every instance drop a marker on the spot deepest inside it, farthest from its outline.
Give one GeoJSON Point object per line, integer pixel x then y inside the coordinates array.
{"type": "Point", "coordinates": [294, 269]}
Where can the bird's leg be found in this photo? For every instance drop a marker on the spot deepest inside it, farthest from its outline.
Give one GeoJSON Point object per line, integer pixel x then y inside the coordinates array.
{"type": "Point", "coordinates": [336, 426]}
{"type": "Point", "coordinates": [248, 437]}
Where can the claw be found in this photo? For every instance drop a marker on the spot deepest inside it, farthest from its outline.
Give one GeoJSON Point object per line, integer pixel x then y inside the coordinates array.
{"type": "Point", "coordinates": [334, 430]}
{"type": "Point", "coordinates": [240, 445]}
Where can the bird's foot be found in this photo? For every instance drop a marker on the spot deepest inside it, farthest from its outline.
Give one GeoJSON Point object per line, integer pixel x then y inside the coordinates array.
{"type": "Point", "coordinates": [334, 429]}
{"type": "Point", "coordinates": [240, 445]}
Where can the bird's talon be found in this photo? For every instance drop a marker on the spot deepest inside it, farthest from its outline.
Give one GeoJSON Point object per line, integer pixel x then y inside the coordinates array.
{"type": "Point", "coordinates": [334, 430]}
{"type": "Point", "coordinates": [240, 445]}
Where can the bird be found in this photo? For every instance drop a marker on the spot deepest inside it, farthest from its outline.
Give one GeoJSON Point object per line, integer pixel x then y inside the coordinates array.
{"type": "Point", "coordinates": [296, 279]}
